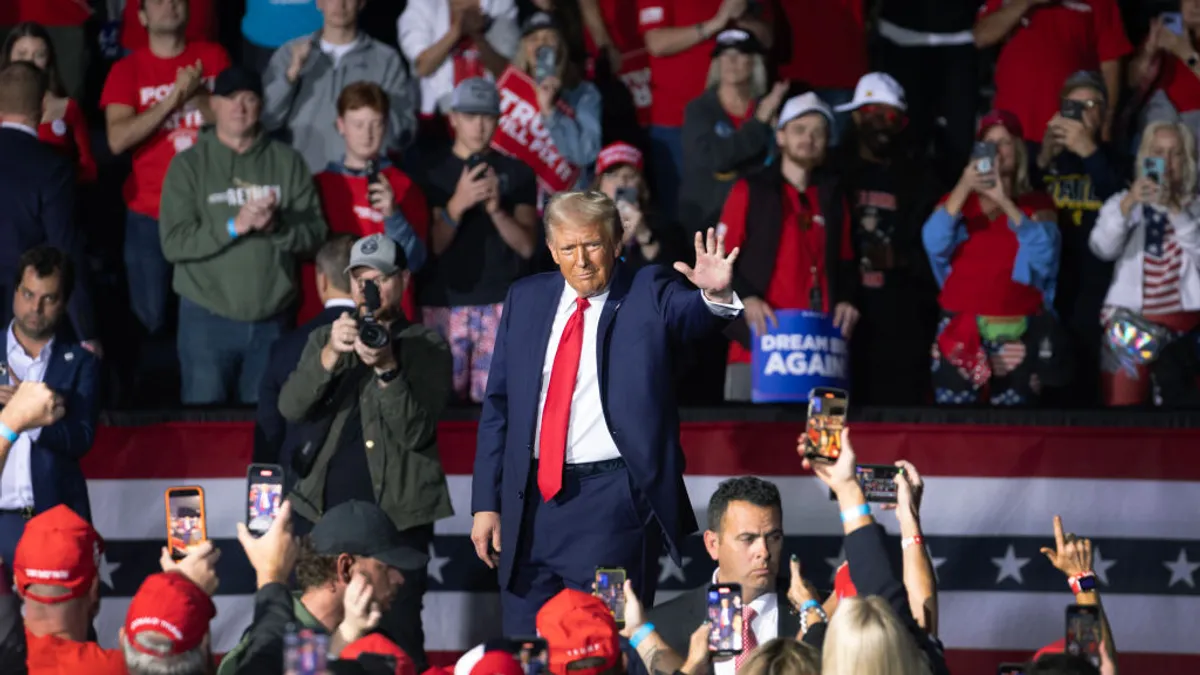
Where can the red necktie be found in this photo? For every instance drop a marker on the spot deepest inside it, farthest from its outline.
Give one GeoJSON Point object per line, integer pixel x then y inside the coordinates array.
{"type": "Point", "coordinates": [556, 415]}
{"type": "Point", "coordinates": [749, 642]}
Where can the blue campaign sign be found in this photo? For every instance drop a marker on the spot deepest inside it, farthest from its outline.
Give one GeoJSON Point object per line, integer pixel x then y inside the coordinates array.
{"type": "Point", "coordinates": [803, 352]}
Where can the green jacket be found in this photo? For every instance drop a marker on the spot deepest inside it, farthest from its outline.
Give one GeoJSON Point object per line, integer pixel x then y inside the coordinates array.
{"type": "Point", "coordinates": [251, 277]}
{"type": "Point", "coordinates": [399, 423]}
{"type": "Point", "coordinates": [264, 637]}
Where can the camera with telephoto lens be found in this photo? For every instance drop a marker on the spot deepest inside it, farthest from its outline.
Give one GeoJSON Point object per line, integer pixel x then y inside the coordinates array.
{"type": "Point", "coordinates": [372, 333]}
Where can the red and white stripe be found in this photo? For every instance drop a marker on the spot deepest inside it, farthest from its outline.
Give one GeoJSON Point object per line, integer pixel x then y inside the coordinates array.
{"type": "Point", "coordinates": [1160, 277]}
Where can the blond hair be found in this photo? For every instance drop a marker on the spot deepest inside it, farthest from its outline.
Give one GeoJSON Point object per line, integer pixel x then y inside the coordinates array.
{"type": "Point", "coordinates": [758, 76]}
{"type": "Point", "coordinates": [782, 656]}
{"type": "Point", "coordinates": [1188, 140]}
{"type": "Point", "coordinates": [588, 206]}
{"type": "Point", "coordinates": [866, 638]}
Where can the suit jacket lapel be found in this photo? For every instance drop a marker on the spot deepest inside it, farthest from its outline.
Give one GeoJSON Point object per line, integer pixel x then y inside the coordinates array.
{"type": "Point", "coordinates": [617, 290]}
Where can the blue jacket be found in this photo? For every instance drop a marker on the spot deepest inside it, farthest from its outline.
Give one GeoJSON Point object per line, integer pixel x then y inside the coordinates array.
{"type": "Point", "coordinates": [74, 373]}
{"type": "Point", "coordinates": [645, 314]}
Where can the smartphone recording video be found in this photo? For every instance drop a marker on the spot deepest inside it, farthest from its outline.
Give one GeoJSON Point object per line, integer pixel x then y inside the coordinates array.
{"type": "Point", "coordinates": [304, 651]}
{"type": "Point", "coordinates": [826, 419]}
{"type": "Point", "coordinates": [1083, 632]}
{"type": "Point", "coordinates": [545, 63]}
{"type": "Point", "coordinates": [186, 524]}
{"type": "Point", "coordinates": [725, 618]}
{"type": "Point", "coordinates": [1154, 168]}
{"type": "Point", "coordinates": [610, 587]}
{"type": "Point", "coordinates": [984, 157]}
{"type": "Point", "coordinates": [264, 495]}
{"type": "Point", "coordinates": [878, 483]}
{"type": "Point", "coordinates": [533, 653]}
{"type": "Point", "coordinates": [626, 195]}
{"type": "Point", "coordinates": [1072, 109]}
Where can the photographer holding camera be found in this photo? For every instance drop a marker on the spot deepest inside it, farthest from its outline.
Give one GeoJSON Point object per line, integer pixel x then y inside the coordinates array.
{"type": "Point", "coordinates": [366, 398]}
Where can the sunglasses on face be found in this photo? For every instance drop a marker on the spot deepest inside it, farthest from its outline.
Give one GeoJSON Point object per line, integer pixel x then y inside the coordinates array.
{"type": "Point", "coordinates": [886, 113]}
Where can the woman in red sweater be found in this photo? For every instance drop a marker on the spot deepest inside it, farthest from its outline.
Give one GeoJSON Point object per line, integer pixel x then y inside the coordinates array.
{"type": "Point", "coordinates": [993, 244]}
{"type": "Point", "coordinates": [365, 194]}
{"type": "Point", "coordinates": [63, 124]}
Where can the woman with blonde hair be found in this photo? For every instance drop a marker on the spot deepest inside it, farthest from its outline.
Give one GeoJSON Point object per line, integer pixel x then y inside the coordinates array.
{"type": "Point", "coordinates": [993, 244]}
{"type": "Point", "coordinates": [728, 131]}
{"type": "Point", "coordinates": [782, 656]}
{"type": "Point", "coordinates": [865, 638]}
{"type": "Point", "coordinates": [1152, 311]}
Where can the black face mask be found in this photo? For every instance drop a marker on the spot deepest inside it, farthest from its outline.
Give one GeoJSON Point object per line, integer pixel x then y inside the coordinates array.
{"type": "Point", "coordinates": [879, 138]}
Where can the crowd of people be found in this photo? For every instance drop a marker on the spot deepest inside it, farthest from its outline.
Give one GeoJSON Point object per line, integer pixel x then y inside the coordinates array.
{"type": "Point", "coordinates": [698, 165]}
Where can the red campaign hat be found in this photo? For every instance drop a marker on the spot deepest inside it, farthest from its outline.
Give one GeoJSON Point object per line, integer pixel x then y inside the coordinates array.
{"type": "Point", "coordinates": [498, 663]}
{"type": "Point", "coordinates": [58, 548]}
{"type": "Point", "coordinates": [170, 604]}
{"type": "Point", "coordinates": [618, 153]}
{"type": "Point", "coordinates": [1000, 118]}
{"type": "Point", "coordinates": [378, 644]}
{"type": "Point", "coordinates": [843, 587]}
{"type": "Point", "coordinates": [1058, 647]}
{"type": "Point", "coordinates": [578, 626]}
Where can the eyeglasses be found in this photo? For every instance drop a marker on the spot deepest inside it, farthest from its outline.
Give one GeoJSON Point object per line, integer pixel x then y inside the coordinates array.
{"type": "Point", "coordinates": [1088, 104]}
{"type": "Point", "coordinates": [885, 112]}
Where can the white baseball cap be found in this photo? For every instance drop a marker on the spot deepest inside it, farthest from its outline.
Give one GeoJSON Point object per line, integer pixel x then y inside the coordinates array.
{"type": "Point", "coordinates": [799, 106]}
{"type": "Point", "coordinates": [876, 88]}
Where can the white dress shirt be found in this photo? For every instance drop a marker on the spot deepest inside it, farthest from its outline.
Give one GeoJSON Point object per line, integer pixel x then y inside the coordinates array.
{"type": "Point", "coordinates": [16, 482]}
{"type": "Point", "coordinates": [341, 302]}
{"type": "Point", "coordinates": [19, 127]}
{"type": "Point", "coordinates": [765, 626]}
{"type": "Point", "coordinates": [588, 437]}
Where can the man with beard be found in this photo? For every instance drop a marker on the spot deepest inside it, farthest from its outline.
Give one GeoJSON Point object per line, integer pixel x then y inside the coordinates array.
{"type": "Point", "coordinates": [891, 190]}
{"type": "Point", "coordinates": [41, 468]}
{"type": "Point", "coordinates": [792, 226]}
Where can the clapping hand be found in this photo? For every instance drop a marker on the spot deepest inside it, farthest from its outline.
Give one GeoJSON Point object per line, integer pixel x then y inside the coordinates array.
{"type": "Point", "coordinates": [713, 273]}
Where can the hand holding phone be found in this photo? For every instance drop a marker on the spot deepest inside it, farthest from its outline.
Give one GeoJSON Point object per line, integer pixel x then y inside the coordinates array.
{"type": "Point", "coordinates": [1173, 21]}
{"type": "Point", "coordinates": [725, 619]}
{"type": "Point", "coordinates": [610, 587]}
{"type": "Point", "coordinates": [545, 63]}
{"type": "Point", "coordinates": [1083, 632]}
{"type": "Point", "coordinates": [1072, 109]}
{"type": "Point", "coordinates": [878, 482]}
{"type": "Point", "coordinates": [826, 418]}
{"type": "Point", "coordinates": [264, 495]}
{"type": "Point", "coordinates": [187, 525]}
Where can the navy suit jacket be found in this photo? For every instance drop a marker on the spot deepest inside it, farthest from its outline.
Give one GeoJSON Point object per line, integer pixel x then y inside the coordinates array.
{"type": "Point", "coordinates": [37, 190]}
{"type": "Point", "coordinates": [271, 431]}
{"type": "Point", "coordinates": [644, 315]}
{"type": "Point", "coordinates": [74, 373]}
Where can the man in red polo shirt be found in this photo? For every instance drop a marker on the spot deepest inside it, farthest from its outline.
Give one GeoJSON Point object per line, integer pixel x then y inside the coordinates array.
{"type": "Point", "coordinates": [1045, 42]}
{"type": "Point", "coordinates": [680, 35]}
{"type": "Point", "coordinates": [793, 228]}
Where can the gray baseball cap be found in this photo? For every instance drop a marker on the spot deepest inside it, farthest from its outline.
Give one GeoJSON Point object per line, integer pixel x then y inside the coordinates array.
{"type": "Point", "coordinates": [362, 528]}
{"type": "Point", "coordinates": [378, 252]}
{"type": "Point", "coordinates": [476, 96]}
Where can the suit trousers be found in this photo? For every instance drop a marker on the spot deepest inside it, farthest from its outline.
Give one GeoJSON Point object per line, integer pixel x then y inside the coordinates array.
{"type": "Point", "coordinates": [598, 519]}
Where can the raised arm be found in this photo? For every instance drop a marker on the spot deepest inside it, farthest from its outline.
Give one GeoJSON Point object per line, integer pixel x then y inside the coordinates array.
{"type": "Point", "coordinates": [691, 315]}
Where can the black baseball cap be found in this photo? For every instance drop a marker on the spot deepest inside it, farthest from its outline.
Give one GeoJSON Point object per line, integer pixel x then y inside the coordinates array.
{"type": "Point", "coordinates": [538, 21]}
{"type": "Point", "coordinates": [362, 528]}
{"type": "Point", "coordinates": [741, 40]}
{"type": "Point", "coordinates": [236, 78]}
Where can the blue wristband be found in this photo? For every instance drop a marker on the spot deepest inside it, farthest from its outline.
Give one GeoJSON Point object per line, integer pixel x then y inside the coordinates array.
{"type": "Point", "coordinates": [7, 433]}
{"type": "Point", "coordinates": [856, 512]}
{"type": "Point", "coordinates": [231, 229]}
{"type": "Point", "coordinates": [809, 604]}
{"type": "Point", "coordinates": [640, 634]}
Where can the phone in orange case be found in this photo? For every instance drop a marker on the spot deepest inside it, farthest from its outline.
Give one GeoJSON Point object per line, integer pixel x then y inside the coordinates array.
{"type": "Point", "coordinates": [187, 525]}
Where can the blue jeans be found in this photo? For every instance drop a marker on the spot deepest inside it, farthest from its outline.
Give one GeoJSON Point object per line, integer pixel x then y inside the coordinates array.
{"type": "Point", "coordinates": [218, 356]}
{"type": "Point", "coordinates": [148, 272]}
{"type": "Point", "coordinates": [666, 157]}
{"type": "Point", "coordinates": [841, 120]}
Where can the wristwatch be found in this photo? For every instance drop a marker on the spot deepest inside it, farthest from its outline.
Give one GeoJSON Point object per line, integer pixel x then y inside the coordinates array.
{"type": "Point", "coordinates": [1193, 60]}
{"type": "Point", "coordinates": [388, 375]}
{"type": "Point", "coordinates": [1083, 582]}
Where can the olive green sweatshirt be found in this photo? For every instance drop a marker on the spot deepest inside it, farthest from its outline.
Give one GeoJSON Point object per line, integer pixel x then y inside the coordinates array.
{"type": "Point", "coordinates": [253, 276]}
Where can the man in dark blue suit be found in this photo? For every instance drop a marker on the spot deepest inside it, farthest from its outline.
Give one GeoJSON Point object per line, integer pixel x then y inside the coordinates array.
{"type": "Point", "coordinates": [37, 189]}
{"type": "Point", "coordinates": [578, 462]}
{"type": "Point", "coordinates": [272, 435]}
{"type": "Point", "coordinates": [41, 468]}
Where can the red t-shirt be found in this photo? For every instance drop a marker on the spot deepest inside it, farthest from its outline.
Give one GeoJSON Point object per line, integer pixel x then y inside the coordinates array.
{"type": "Point", "coordinates": [69, 135]}
{"type": "Point", "coordinates": [50, 655]}
{"type": "Point", "coordinates": [799, 251]}
{"type": "Point", "coordinates": [621, 21]}
{"type": "Point", "coordinates": [677, 79]}
{"type": "Point", "coordinates": [980, 280]}
{"type": "Point", "coordinates": [141, 80]}
{"type": "Point", "coordinates": [822, 42]}
{"type": "Point", "coordinates": [201, 26]}
{"type": "Point", "coordinates": [1051, 42]}
{"type": "Point", "coordinates": [1180, 85]}
{"type": "Point", "coordinates": [45, 12]}
{"type": "Point", "coordinates": [344, 203]}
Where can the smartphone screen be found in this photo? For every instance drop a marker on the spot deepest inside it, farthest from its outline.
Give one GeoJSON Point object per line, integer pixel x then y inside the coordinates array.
{"type": "Point", "coordinates": [533, 653]}
{"type": "Point", "coordinates": [1173, 21]}
{"type": "Point", "coordinates": [984, 156]}
{"type": "Point", "coordinates": [628, 195]}
{"type": "Point", "coordinates": [1071, 109]}
{"type": "Point", "coordinates": [1011, 669]}
{"type": "Point", "coordinates": [826, 418]}
{"type": "Point", "coordinates": [610, 587]}
{"type": "Point", "coordinates": [725, 616]}
{"type": "Point", "coordinates": [1154, 168]}
{"type": "Point", "coordinates": [186, 525]}
{"type": "Point", "coordinates": [304, 651]}
{"type": "Point", "coordinates": [264, 494]}
{"type": "Point", "coordinates": [545, 63]}
{"type": "Point", "coordinates": [878, 482]}
{"type": "Point", "coordinates": [1083, 632]}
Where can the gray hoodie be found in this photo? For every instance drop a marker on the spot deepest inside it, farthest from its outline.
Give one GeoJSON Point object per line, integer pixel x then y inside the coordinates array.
{"type": "Point", "coordinates": [305, 111]}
